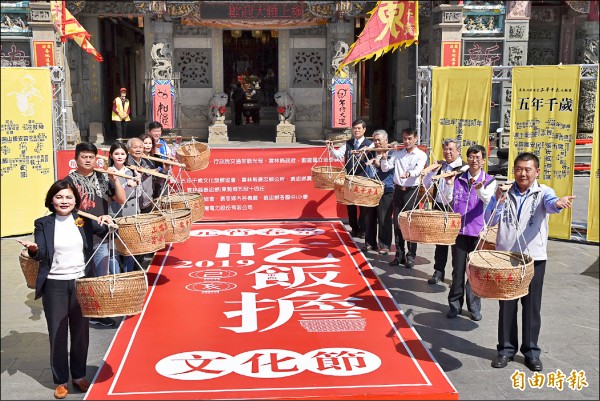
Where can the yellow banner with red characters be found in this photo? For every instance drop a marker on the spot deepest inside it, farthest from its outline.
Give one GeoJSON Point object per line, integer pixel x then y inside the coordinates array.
{"type": "Point", "coordinates": [593, 201]}
{"type": "Point", "coordinates": [460, 107]}
{"type": "Point", "coordinates": [543, 121]}
{"type": "Point", "coordinates": [27, 147]}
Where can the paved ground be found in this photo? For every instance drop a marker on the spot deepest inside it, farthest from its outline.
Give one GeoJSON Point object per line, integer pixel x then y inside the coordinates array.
{"type": "Point", "coordinates": [463, 348]}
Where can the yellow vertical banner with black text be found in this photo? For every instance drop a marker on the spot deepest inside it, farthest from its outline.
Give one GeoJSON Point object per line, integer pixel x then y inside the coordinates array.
{"type": "Point", "coordinates": [27, 147]}
{"type": "Point", "coordinates": [460, 107]}
{"type": "Point", "coordinates": [594, 201]}
{"type": "Point", "coordinates": [543, 121]}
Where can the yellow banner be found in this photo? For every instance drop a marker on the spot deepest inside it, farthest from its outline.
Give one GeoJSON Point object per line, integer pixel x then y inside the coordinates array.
{"type": "Point", "coordinates": [27, 147]}
{"type": "Point", "coordinates": [460, 107]}
{"type": "Point", "coordinates": [593, 204]}
{"type": "Point", "coordinates": [543, 121]}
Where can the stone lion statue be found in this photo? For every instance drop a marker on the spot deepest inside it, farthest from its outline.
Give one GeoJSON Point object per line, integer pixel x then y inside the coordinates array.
{"type": "Point", "coordinates": [284, 99]}
{"type": "Point", "coordinates": [218, 100]}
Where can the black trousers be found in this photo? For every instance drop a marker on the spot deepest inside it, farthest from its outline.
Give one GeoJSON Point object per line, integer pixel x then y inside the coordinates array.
{"type": "Point", "coordinates": [356, 218]}
{"type": "Point", "coordinates": [121, 128]}
{"type": "Point", "coordinates": [379, 222]}
{"type": "Point", "coordinates": [458, 288]}
{"type": "Point", "coordinates": [508, 328]}
{"type": "Point", "coordinates": [63, 314]}
{"type": "Point", "coordinates": [404, 200]}
{"type": "Point", "coordinates": [440, 256]}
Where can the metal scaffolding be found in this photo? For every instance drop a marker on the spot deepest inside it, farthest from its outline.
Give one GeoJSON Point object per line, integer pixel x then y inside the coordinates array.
{"type": "Point", "coordinates": [59, 108]}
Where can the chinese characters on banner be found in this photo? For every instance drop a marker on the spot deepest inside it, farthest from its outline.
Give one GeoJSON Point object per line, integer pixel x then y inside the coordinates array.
{"type": "Point", "coordinates": [254, 183]}
{"type": "Point", "coordinates": [251, 10]}
{"type": "Point", "coordinates": [460, 108]}
{"type": "Point", "coordinates": [341, 99]}
{"type": "Point", "coordinates": [276, 309]}
{"type": "Point", "coordinates": [27, 147]}
{"type": "Point", "coordinates": [44, 53]}
{"type": "Point", "coordinates": [594, 201]}
{"type": "Point", "coordinates": [450, 54]}
{"type": "Point", "coordinates": [163, 96]}
{"type": "Point", "coordinates": [543, 121]}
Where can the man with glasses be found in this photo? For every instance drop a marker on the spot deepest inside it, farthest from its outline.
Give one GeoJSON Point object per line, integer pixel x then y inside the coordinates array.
{"type": "Point", "coordinates": [469, 194]}
{"type": "Point", "coordinates": [407, 164]}
{"type": "Point", "coordinates": [522, 215]}
{"type": "Point", "coordinates": [452, 162]}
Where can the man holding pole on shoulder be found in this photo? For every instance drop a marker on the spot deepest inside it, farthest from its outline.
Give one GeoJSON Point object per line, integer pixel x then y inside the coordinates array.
{"type": "Point", "coordinates": [522, 215]}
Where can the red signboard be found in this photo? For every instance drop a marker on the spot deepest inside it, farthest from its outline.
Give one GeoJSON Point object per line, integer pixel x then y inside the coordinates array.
{"type": "Point", "coordinates": [281, 310]}
{"type": "Point", "coordinates": [254, 183]}
{"type": "Point", "coordinates": [163, 93]}
{"type": "Point", "coordinates": [43, 53]}
{"type": "Point", "coordinates": [341, 96]}
{"type": "Point", "coordinates": [450, 54]}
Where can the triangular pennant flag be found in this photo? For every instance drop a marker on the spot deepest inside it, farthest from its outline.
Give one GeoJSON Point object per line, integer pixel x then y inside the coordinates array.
{"type": "Point", "coordinates": [69, 28]}
{"type": "Point", "coordinates": [391, 24]}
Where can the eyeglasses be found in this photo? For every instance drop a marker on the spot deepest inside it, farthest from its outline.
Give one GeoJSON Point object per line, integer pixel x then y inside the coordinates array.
{"type": "Point", "coordinates": [475, 158]}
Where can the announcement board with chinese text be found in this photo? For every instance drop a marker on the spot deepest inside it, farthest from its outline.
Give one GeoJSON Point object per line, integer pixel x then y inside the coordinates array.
{"type": "Point", "coordinates": [163, 96]}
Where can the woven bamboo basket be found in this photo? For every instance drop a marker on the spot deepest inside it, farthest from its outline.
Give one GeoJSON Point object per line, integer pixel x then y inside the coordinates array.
{"type": "Point", "coordinates": [488, 238]}
{"type": "Point", "coordinates": [195, 156]}
{"type": "Point", "coordinates": [362, 191]}
{"type": "Point", "coordinates": [29, 267]}
{"type": "Point", "coordinates": [179, 223]}
{"type": "Point", "coordinates": [185, 200]}
{"type": "Point", "coordinates": [142, 233]}
{"type": "Point", "coordinates": [112, 295]}
{"type": "Point", "coordinates": [323, 176]}
{"type": "Point", "coordinates": [338, 190]}
{"type": "Point", "coordinates": [429, 226]}
{"type": "Point", "coordinates": [499, 274]}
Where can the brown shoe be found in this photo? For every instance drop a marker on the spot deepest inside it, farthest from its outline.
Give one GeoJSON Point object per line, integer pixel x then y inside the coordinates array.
{"type": "Point", "coordinates": [61, 391]}
{"type": "Point", "coordinates": [82, 384]}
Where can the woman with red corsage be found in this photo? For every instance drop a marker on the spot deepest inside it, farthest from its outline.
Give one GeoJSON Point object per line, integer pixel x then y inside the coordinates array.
{"type": "Point", "coordinates": [64, 246]}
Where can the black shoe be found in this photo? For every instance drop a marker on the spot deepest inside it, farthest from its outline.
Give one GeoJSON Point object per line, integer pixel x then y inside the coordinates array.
{"type": "Point", "coordinates": [361, 235]}
{"type": "Point", "coordinates": [501, 361]}
{"type": "Point", "coordinates": [452, 313]}
{"type": "Point", "coordinates": [398, 260]}
{"type": "Point", "coordinates": [410, 263]}
{"type": "Point", "coordinates": [354, 233]}
{"type": "Point", "coordinates": [102, 321]}
{"type": "Point", "coordinates": [476, 316]}
{"type": "Point", "coordinates": [534, 364]}
{"type": "Point", "coordinates": [436, 278]}
{"type": "Point", "coordinates": [367, 248]}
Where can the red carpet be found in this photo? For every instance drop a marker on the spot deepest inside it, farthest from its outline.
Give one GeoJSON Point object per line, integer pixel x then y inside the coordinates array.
{"type": "Point", "coordinates": [267, 310]}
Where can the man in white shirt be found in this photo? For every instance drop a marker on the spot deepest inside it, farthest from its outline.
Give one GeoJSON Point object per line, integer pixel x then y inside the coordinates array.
{"type": "Point", "coordinates": [355, 165]}
{"type": "Point", "coordinates": [452, 161]}
{"type": "Point", "coordinates": [407, 164]}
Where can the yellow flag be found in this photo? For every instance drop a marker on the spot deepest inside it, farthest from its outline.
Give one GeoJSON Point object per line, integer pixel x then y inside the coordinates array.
{"type": "Point", "coordinates": [460, 107]}
{"type": "Point", "coordinates": [543, 121]}
{"type": "Point", "coordinates": [593, 201]}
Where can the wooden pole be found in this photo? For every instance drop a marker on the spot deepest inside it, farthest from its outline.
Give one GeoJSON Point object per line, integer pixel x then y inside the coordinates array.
{"type": "Point", "coordinates": [148, 171]}
{"type": "Point", "coordinates": [95, 218]}
{"type": "Point", "coordinates": [100, 170]}
{"type": "Point", "coordinates": [158, 159]}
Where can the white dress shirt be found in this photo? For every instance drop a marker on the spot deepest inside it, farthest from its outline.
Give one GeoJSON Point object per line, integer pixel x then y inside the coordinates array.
{"type": "Point", "coordinates": [441, 184]}
{"type": "Point", "coordinates": [341, 151]}
{"type": "Point", "coordinates": [484, 193]}
{"type": "Point", "coordinates": [402, 161]}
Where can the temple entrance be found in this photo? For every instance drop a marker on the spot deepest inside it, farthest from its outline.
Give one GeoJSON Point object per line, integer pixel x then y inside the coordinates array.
{"type": "Point", "coordinates": [250, 58]}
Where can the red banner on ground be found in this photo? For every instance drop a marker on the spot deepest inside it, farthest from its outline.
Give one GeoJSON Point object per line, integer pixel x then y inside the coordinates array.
{"type": "Point", "coordinates": [254, 184]}
{"type": "Point", "coordinates": [277, 310]}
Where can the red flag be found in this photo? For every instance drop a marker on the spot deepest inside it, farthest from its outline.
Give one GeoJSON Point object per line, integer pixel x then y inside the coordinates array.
{"type": "Point", "coordinates": [70, 28]}
{"type": "Point", "coordinates": [391, 24]}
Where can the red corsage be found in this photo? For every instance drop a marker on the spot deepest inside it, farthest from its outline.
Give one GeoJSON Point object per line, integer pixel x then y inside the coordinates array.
{"type": "Point", "coordinates": [79, 222]}
{"type": "Point", "coordinates": [222, 110]}
{"type": "Point", "coordinates": [281, 110]}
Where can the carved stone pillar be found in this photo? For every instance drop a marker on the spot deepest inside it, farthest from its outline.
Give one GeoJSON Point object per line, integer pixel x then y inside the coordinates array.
{"type": "Point", "coordinates": [447, 27]}
{"type": "Point", "coordinates": [93, 90]}
{"type": "Point", "coordinates": [516, 35]}
{"type": "Point", "coordinates": [586, 53]}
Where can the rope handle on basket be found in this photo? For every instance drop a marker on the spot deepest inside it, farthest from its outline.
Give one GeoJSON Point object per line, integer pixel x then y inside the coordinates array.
{"type": "Point", "coordinates": [321, 156]}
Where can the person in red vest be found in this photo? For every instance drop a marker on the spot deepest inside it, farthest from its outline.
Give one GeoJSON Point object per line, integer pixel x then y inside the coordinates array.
{"type": "Point", "coordinates": [120, 113]}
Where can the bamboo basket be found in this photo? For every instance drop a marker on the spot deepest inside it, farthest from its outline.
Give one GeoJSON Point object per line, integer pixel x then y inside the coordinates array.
{"type": "Point", "coordinates": [112, 295]}
{"type": "Point", "coordinates": [185, 200]}
{"type": "Point", "coordinates": [499, 274]}
{"type": "Point", "coordinates": [29, 267]}
{"type": "Point", "coordinates": [338, 190]}
{"type": "Point", "coordinates": [362, 191]}
{"type": "Point", "coordinates": [179, 223]}
{"type": "Point", "coordinates": [488, 238]}
{"type": "Point", "coordinates": [194, 155]}
{"type": "Point", "coordinates": [142, 233]}
{"type": "Point", "coordinates": [323, 176]}
{"type": "Point", "coordinates": [429, 226]}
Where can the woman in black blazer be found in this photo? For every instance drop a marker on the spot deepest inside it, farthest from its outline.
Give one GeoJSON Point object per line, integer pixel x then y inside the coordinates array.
{"type": "Point", "coordinates": [63, 246]}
